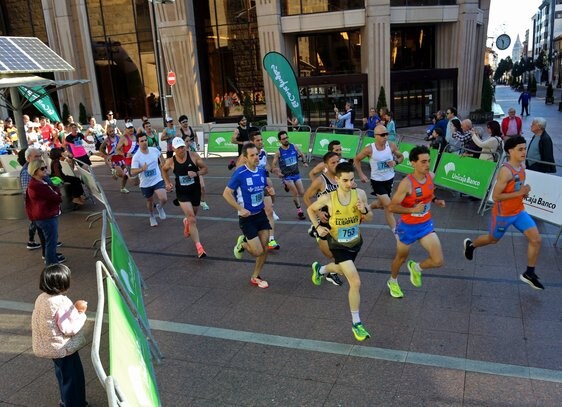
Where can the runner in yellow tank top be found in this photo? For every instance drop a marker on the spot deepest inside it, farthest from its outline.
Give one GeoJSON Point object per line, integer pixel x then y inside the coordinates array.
{"type": "Point", "coordinates": [346, 207]}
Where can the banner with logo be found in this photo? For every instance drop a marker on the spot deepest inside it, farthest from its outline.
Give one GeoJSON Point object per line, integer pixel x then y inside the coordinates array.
{"type": "Point", "coordinates": [220, 142]}
{"type": "Point", "coordinates": [41, 100]}
{"type": "Point", "coordinates": [349, 143]}
{"type": "Point", "coordinates": [129, 354]}
{"type": "Point", "coordinates": [301, 139]}
{"type": "Point", "coordinates": [127, 270]}
{"type": "Point", "coordinates": [283, 76]}
{"type": "Point", "coordinates": [405, 167]}
{"type": "Point", "coordinates": [468, 175]}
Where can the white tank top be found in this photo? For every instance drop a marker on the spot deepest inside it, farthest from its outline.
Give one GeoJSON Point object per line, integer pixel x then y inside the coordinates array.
{"type": "Point", "coordinates": [380, 171]}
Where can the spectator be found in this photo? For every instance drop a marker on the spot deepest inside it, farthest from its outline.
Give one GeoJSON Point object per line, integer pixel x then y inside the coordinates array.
{"type": "Point", "coordinates": [540, 148]}
{"type": "Point", "coordinates": [386, 117]}
{"type": "Point", "coordinates": [524, 101]}
{"type": "Point", "coordinates": [511, 124]}
{"type": "Point", "coordinates": [370, 122]}
{"type": "Point", "coordinates": [57, 155]}
{"type": "Point", "coordinates": [451, 113]}
{"type": "Point", "coordinates": [348, 117]}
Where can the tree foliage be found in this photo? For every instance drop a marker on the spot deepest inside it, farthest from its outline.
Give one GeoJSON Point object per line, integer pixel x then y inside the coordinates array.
{"type": "Point", "coordinates": [381, 102]}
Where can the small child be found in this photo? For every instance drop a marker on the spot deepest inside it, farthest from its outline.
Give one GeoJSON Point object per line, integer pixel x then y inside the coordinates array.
{"type": "Point", "coordinates": [56, 326]}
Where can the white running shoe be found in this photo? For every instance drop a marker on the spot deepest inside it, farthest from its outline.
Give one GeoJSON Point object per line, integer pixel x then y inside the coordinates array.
{"type": "Point", "coordinates": [204, 206]}
{"type": "Point", "coordinates": [161, 213]}
{"type": "Point", "coordinates": [153, 221]}
{"type": "Point", "coordinates": [275, 217]}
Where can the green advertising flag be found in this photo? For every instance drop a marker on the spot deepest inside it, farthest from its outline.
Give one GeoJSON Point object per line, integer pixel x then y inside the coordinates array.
{"type": "Point", "coordinates": [405, 167]}
{"type": "Point", "coordinates": [130, 363]}
{"type": "Point", "coordinates": [284, 79]}
{"type": "Point", "coordinates": [468, 175]}
{"type": "Point", "coordinates": [41, 100]}
{"type": "Point", "coordinates": [127, 270]}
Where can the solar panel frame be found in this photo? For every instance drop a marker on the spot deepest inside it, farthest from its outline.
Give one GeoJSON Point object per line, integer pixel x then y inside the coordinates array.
{"type": "Point", "coordinates": [29, 55]}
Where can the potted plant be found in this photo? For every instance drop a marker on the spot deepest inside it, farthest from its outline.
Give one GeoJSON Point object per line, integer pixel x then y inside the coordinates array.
{"type": "Point", "coordinates": [485, 113]}
{"type": "Point", "coordinates": [549, 99]}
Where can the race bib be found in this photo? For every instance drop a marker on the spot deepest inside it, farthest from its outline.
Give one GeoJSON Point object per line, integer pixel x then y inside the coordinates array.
{"type": "Point", "coordinates": [257, 199]}
{"type": "Point", "coordinates": [346, 235]}
{"type": "Point", "coordinates": [382, 166]}
{"type": "Point", "coordinates": [78, 142]}
{"type": "Point", "coordinates": [150, 173]}
{"type": "Point", "coordinates": [186, 180]}
{"type": "Point", "coordinates": [291, 160]}
{"type": "Point", "coordinates": [426, 208]}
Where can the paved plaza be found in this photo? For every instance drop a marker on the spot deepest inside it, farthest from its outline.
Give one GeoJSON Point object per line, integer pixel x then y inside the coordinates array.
{"type": "Point", "coordinates": [472, 335]}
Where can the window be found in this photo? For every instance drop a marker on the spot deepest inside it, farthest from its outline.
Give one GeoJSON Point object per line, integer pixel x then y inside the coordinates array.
{"type": "Point", "coordinates": [295, 7]}
{"type": "Point", "coordinates": [412, 47]}
{"type": "Point", "coordinates": [417, 3]}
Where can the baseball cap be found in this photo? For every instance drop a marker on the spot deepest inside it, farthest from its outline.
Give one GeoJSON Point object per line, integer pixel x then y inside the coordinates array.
{"type": "Point", "coordinates": [169, 119]}
{"type": "Point", "coordinates": [129, 125]}
{"type": "Point", "coordinates": [110, 112]}
{"type": "Point", "coordinates": [178, 142]}
{"type": "Point", "coordinates": [380, 129]}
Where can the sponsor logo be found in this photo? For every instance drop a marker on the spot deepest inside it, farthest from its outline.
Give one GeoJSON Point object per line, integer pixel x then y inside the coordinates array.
{"type": "Point", "coordinates": [324, 142]}
{"type": "Point", "coordinates": [449, 167]}
{"type": "Point", "coordinates": [272, 140]}
{"type": "Point", "coordinates": [220, 140]}
{"type": "Point", "coordinates": [539, 202]}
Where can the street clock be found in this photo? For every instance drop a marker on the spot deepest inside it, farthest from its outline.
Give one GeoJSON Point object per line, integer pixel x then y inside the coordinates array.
{"type": "Point", "coordinates": [503, 42]}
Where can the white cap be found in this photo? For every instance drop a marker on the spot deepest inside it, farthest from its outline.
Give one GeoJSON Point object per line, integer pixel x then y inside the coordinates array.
{"type": "Point", "coordinates": [178, 142]}
{"type": "Point", "coordinates": [129, 125]}
{"type": "Point", "coordinates": [169, 119]}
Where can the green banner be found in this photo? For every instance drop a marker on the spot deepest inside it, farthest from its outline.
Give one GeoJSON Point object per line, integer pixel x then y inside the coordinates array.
{"type": "Point", "coordinates": [221, 142]}
{"type": "Point", "coordinates": [283, 76]}
{"type": "Point", "coordinates": [301, 139]}
{"type": "Point", "coordinates": [468, 175]}
{"type": "Point", "coordinates": [41, 100]}
{"type": "Point", "coordinates": [130, 363]}
{"type": "Point", "coordinates": [127, 270]}
{"type": "Point", "coordinates": [349, 143]}
{"type": "Point", "coordinates": [405, 166]}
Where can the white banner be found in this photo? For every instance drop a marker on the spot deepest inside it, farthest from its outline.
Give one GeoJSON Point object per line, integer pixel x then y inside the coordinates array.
{"type": "Point", "coordinates": [545, 200]}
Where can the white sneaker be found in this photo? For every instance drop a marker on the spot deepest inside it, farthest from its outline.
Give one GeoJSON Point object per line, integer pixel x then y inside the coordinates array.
{"type": "Point", "coordinates": [124, 190]}
{"type": "Point", "coordinates": [275, 217]}
{"type": "Point", "coordinates": [161, 213]}
{"type": "Point", "coordinates": [204, 206]}
{"type": "Point", "coordinates": [153, 221]}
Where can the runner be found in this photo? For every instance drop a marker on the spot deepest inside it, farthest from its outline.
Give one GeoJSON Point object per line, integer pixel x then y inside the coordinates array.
{"type": "Point", "coordinates": [333, 146]}
{"type": "Point", "coordinates": [245, 192]}
{"type": "Point", "coordinates": [286, 165]}
{"type": "Point", "coordinates": [383, 157]}
{"type": "Point", "coordinates": [508, 194]}
{"type": "Point", "coordinates": [146, 164]}
{"type": "Point", "coordinates": [346, 207]}
{"type": "Point", "coordinates": [322, 185]}
{"type": "Point", "coordinates": [187, 167]}
{"type": "Point", "coordinates": [168, 134]}
{"type": "Point", "coordinates": [413, 200]}
{"type": "Point", "coordinates": [127, 147]}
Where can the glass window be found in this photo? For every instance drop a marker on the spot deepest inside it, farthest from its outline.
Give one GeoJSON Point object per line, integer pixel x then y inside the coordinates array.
{"type": "Point", "coordinates": [416, 3]}
{"type": "Point", "coordinates": [329, 53]}
{"type": "Point", "coordinates": [124, 57]}
{"type": "Point", "coordinates": [295, 7]}
{"type": "Point", "coordinates": [412, 47]}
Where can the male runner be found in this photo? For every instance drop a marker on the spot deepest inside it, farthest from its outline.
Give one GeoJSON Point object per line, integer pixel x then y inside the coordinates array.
{"type": "Point", "coordinates": [187, 166]}
{"type": "Point", "coordinates": [347, 207]}
{"type": "Point", "coordinates": [333, 146]}
{"type": "Point", "coordinates": [146, 164]}
{"type": "Point", "coordinates": [508, 194]}
{"type": "Point", "coordinates": [127, 147]}
{"type": "Point", "coordinates": [383, 157]}
{"type": "Point", "coordinates": [245, 192]}
{"type": "Point", "coordinates": [286, 165]}
{"type": "Point", "coordinates": [322, 185]}
{"type": "Point", "coordinates": [413, 200]}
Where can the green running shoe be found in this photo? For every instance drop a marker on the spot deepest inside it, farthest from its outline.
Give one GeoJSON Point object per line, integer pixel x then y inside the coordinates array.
{"type": "Point", "coordinates": [415, 276]}
{"type": "Point", "coordinates": [316, 276]}
{"type": "Point", "coordinates": [394, 288]}
{"type": "Point", "coordinates": [360, 332]}
{"type": "Point", "coordinates": [238, 249]}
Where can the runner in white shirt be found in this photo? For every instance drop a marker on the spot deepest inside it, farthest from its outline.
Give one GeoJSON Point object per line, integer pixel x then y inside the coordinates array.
{"type": "Point", "coordinates": [146, 163]}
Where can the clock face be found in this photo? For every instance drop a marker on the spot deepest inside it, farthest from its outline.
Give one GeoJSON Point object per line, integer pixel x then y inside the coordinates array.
{"type": "Point", "coordinates": [503, 42]}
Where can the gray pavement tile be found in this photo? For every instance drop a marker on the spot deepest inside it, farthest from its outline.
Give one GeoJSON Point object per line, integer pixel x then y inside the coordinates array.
{"type": "Point", "coordinates": [180, 400]}
{"type": "Point", "coordinates": [315, 366]}
{"type": "Point", "coordinates": [495, 391]}
{"type": "Point", "coordinates": [261, 358]}
{"type": "Point", "coordinates": [390, 336]}
{"type": "Point", "coordinates": [20, 371]}
{"type": "Point", "coordinates": [449, 321]}
{"type": "Point", "coordinates": [495, 289]}
{"type": "Point", "coordinates": [13, 345]}
{"type": "Point", "coordinates": [16, 324]}
{"type": "Point", "coordinates": [547, 394]}
{"type": "Point", "coordinates": [430, 386]}
{"type": "Point", "coordinates": [357, 396]}
{"type": "Point", "coordinates": [317, 308]}
{"type": "Point", "coordinates": [495, 325]}
{"type": "Point", "coordinates": [368, 373]}
{"type": "Point", "coordinates": [335, 330]}
{"type": "Point", "coordinates": [185, 379]}
{"type": "Point", "coordinates": [439, 342]}
{"type": "Point", "coordinates": [538, 309]}
{"type": "Point", "coordinates": [508, 307]}
{"type": "Point", "coordinates": [545, 353]}
{"type": "Point", "coordinates": [536, 329]}
{"type": "Point", "coordinates": [452, 301]}
{"type": "Point", "coordinates": [497, 349]}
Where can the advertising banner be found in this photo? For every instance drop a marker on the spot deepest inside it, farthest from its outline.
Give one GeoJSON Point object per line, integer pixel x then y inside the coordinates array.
{"type": "Point", "coordinates": [467, 175]}
{"type": "Point", "coordinates": [127, 270]}
{"type": "Point", "coordinates": [301, 139]}
{"type": "Point", "coordinates": [41, 100]}
{"type": "Point", "coordinates": [129, 355]}
{"type": "Point", "coordinates": [220, 142]}
{"type": "Point", "coordinates": [405, 167]}
{"type": "Point", "coordinates": [349, 143]}
{"type": "Point", "coordinates": [283, 76]}
{"type": "Point", "coordinates": [90, 182]}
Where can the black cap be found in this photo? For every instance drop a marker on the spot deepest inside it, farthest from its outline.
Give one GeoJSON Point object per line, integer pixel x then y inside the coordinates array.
{"type": "Point", "coordinates": [182, 118]}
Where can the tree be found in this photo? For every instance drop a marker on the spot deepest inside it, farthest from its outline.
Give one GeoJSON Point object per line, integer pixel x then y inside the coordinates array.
{"type": "Point", "coordinates": [65, 112]}
{"type": "Point", "coordinates": [82, 116]}
{"type": "Point", "coordinates": [381, 102]}
{"type": "Point", "coordinates": [248, 108]}
{"type": "Point", "coordinates": [487, 91]}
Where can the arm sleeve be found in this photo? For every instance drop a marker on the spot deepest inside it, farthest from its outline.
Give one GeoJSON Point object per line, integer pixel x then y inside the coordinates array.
{"type": "Point", "coordinates": [70, 321]}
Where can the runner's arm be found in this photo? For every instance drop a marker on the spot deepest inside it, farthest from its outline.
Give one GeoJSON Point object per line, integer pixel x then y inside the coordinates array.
{"type": "Point", "coordinates": [363, 205]}
{"type": "Point", "coordinates": [366, 152]}
{"type": "Point", "coordinates": [312, 191]}
{"type": "Point", "coordinates": [503, 178]}
{"type": "Point", "coordinates": [317, 170]}
{"type": "Point", "coordinates": [203, 169]}
{"type": "Point", "coordinates": [315, 207]}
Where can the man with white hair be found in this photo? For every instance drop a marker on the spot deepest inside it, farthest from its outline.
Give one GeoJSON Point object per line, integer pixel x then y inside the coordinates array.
{"type": "Point", "coordinates": [540, 148]}
{"type": "Point", "coordinates": [511, 124]}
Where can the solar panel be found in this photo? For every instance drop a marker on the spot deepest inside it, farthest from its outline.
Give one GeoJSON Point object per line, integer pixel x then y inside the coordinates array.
{"type": "Point", "coordinates": [29, 54]}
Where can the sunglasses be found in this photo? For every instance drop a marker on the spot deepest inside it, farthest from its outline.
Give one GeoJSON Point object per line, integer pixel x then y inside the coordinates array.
{"type": "Point", "coordinates": [43, 168]}
{"type": "Point", "coordinates": [184, 122]}
{"type": "Point", "coordinates": [382, 134]}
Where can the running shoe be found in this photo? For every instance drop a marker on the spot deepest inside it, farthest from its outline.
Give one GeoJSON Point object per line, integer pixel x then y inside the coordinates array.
{"type": "Point", "coordinates": [300, 214]}
{"type": "Point", "coordinates": [238, 249]}
{"type": "Point", "coordinates": [532, 280]}
{"type": "Point", "coordinates": [153, 221]}
{"type": "Point", "coordinates": [360, 332]}
{"type": "Point", "coordinates": [59, 244]}
{"type": "Point", "coordinates": [33, 245]}
{"type": "Point", "coordinates": [161, 213]}
{"type": "Point", "coordinates": [124, 190]}
{"type": "Point", "coordinates": [316, 276]}
{"type": "Point", "coordinates": [468, 249]}
{"type": "Point", "coordinates": [185, 227]}
{"type": "Point", "coordinates": [394, 288]}
{"type": "Point", "coordinates": [272, 245]}
{"type": "Point", "coordinates": [334, 279]}
{"type": "Point", "coordinates": [275, 217]}
{"type": "Point", "coordinates": [415, 276]}
{"type": "Point", "coordinates": [204, 206]}
{"type": "Point", "coordinates": [259, 282]}
{"type": "Point", "coordinates": [201, 252]}
{"type": "Point", "coordinates": [114, 173]}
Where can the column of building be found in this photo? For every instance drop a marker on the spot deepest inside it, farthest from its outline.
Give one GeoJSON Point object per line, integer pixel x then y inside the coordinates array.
{"type": "Point", "coordinates": [375, 52]}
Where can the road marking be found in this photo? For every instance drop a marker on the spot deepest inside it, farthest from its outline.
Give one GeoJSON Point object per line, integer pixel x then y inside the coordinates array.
{"type": "Point", "coordinates": [392, 355]}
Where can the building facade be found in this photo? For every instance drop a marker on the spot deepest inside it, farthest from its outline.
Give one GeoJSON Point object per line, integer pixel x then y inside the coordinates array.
{"type": "Point", "coordinates": [427, 55]}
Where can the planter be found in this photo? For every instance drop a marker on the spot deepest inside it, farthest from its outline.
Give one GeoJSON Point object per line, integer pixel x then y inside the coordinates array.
{"type": "Point", "coordinates": [549, 100]}
{"type": "Point", "coordinates": [481, 117]}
